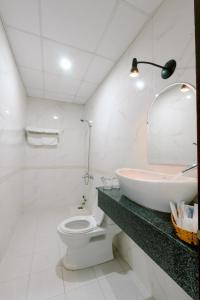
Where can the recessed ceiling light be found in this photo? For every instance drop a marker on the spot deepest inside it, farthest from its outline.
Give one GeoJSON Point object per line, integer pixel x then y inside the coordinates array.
{"type": "Point", "coordinates": [55, 117]}
{"type": "Point", "coordinates": [65, 64]}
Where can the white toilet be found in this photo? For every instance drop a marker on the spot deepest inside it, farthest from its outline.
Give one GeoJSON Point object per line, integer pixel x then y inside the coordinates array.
{"type": "Point", "coordinates": [88, 239]}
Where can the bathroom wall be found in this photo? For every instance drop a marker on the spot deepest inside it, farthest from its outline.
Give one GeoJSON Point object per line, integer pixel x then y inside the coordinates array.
{"type": "Point", "coordinates": [53, 174]}
{"type": "Point", "coordinates": [12, 119]}
{"type": "Point", "coordinates": [119, 112]}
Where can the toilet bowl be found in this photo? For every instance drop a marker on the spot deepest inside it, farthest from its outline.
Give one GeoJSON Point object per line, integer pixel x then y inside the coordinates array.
{"type": "Point", "coordinates": [88, 239]}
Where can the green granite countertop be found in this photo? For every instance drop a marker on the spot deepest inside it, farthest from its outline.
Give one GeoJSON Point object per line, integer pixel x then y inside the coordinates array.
{"type": "Point", "coordinates": [153, 232]}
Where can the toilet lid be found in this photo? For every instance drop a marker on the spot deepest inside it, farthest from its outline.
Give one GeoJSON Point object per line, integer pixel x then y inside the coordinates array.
{"type": "Point", "coordinates": [77, 224]}
{"type": "Point", "coordinates": [98, 213]}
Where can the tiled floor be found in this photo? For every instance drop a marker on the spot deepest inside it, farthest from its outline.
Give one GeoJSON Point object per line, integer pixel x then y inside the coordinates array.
{"type": "Point", "coordinates": [32, 270]}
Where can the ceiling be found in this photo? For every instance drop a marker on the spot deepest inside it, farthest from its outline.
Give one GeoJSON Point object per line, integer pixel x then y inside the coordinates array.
{"type": "Point", "coordinates": [91, 34]}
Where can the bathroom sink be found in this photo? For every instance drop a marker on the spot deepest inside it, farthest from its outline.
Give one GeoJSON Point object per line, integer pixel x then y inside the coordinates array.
{"type": "Point", "coordinates": [155, 190]}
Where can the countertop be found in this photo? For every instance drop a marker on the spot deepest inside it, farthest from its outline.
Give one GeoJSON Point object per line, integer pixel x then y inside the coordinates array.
{"type": "Point", "coordinates": [153, 232]}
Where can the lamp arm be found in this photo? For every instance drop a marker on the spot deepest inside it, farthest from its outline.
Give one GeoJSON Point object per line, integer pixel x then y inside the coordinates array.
{"type": "Point", "coordinates": [150, 63]}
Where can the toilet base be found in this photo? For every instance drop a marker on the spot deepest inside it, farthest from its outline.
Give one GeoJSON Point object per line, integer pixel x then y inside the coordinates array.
{"type": "Point", "coordinates": [94, 253]}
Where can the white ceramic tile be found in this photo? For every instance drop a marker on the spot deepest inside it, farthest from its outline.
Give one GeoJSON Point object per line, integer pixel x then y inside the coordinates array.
{"type": "Point", "coordinates": [21, 245]}
{"type": "Point", "coordinates": [77, 278]}
{"type": "Point", "coordinates": [68, 180]}
{"type": "Point", "coordinates": [32, 78]}
{"type": "Point", "coordinates": [98, 69]}
{"type": "Point", "coordinates": [166, 35]}
{"type": "Point", "coordinates": [108, 268]}
{"type": "Point", "coordinates": [60, 297]}
{"type": "Point", "coordinates": [45, 259]}
{"type": "Point", "coordinates": [147, 6]}
{"type": "Point", "coordinates": [35, 92]}
{"type": "Point", "coordinates": [61, 84]}
{"type": "Point", "coordinates": [58, 96]}
{"type": "Point", "coordinates": [25, 229]}
{"type": "Point", "coordinates": [22, 14]}
{"type": "Point", "coordinates": [76, 23]}
{"type": "Point", "coordinates": [26, 48]}
{"type": "Point", "coordinates": [55, 52]}
{"type": "Point", "coordinates": [45, 284]}
{"type": "Point", "coordinates": [187, 58]}
{"type": "Point", "coordinates": [47, 220]}
{"type": "Point", "coordinates": [25, 226]}
{"type": "Point", "coordinates": [80, 100]}
{"type": "Point", "coordinates": [86, 89]}
{"type": "Point", "coordinates": [122, 30]}
{"type": "Point", "coordinates": [14, 289]}
{"type": "Point", "coordinates": [43, 243]}
{"type": "Point", "coordinates": [16, 266]}
{"type": "Point", "coordinates": [11, 189]}
{"type": "Point", "coordinates": [90, 291]}
{"type": "Point", "coordinates": [119, 286]}
{"type": "Point", "coordinates": [125, 267]}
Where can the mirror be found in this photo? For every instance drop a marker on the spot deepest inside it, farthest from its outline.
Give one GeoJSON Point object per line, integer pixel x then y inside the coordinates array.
{"type": "Point", "coordinates": [172, 129]}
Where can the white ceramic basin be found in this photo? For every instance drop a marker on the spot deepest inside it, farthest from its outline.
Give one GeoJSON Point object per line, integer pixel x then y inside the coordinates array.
{"type": "Point", "coordinates": [156, 190]}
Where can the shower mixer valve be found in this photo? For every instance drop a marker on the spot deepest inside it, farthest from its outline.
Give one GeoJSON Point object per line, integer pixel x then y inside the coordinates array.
{"type": "Point", "coordinates": [88, 176]}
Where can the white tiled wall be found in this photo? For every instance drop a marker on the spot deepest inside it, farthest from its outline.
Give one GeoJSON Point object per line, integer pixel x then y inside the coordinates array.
{"type": "Point", "coordinates": [53, 175]}
{"type": "Point", "coordinates": [12, 116]}
{"type": "Point", "coordinates": [119, 109]}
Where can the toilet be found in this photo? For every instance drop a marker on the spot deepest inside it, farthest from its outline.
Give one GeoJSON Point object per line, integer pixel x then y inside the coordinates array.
{"type": "Point", "coordinates": [88, 239]}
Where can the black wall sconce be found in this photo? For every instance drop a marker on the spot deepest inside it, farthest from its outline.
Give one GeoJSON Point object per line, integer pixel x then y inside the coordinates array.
{"type": "Point", "coordinates": [167, 70]}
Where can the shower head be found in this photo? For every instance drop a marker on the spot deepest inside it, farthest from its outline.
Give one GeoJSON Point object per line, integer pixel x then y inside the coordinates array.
{"type": "Point", "coordinates": [87, 121]}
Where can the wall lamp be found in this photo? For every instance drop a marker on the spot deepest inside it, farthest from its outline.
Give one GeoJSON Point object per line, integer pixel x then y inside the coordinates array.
{"type": "Point", "coordinates": [167, 70]}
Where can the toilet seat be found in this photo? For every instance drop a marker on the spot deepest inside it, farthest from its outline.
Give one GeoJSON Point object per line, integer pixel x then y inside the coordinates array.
{"type": "Point", "coordinates": [77, 225]}
{"type": "Point", "coordinates": [88, 240]}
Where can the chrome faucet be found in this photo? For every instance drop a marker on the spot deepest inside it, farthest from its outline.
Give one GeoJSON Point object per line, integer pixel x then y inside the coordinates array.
{"type": "Point", "coordinates": [190, 168]}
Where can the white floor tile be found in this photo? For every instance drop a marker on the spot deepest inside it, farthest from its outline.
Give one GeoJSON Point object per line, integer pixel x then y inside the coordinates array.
{"type": "Point", "coordinates": [46, 230]}
{"type": "Point", "coordinates": [119, 286]}
{"type": "Point", "coordinates": [89, 291]}
{"type": "Point", "coordinates": [16, 266]}
{"type": "Point", "coordinates": [20, 246]}
{"type": "Point", "coordinates": [45, 259]}
{"type": "Point", "coordinates": [45, 284]}
{"type": "Point", "coordinates": [77, 278]}
{"type": "Point", "coordinates": [123, 264]}
{"type": "Point", "coordinates": [46, 242]}
{"type": "Point", "coordinates": [14, 289]}
{"type": "Point", "coordinates": [112, 266]}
